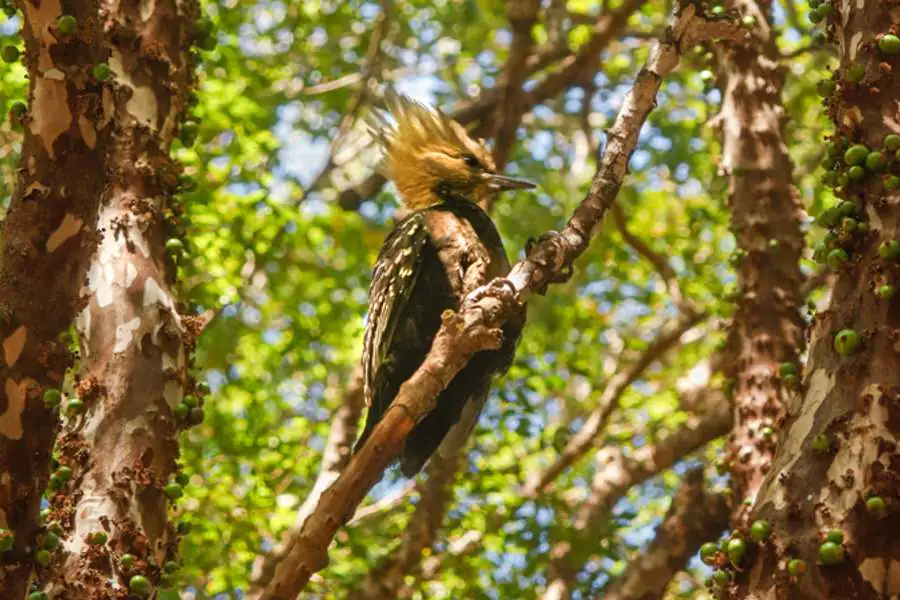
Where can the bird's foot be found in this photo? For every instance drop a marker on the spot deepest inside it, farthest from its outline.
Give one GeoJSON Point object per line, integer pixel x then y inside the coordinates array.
{"type": "Point", "coordinates": [500, 288]}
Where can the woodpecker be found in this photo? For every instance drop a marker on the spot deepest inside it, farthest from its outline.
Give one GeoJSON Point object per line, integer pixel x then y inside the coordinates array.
{"type": "Point", "coordinates": [443, 249]}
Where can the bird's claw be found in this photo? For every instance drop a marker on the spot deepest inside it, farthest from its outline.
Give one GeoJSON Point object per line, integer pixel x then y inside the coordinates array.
{"type": "Point", "coordinates": [501, 288]}
{"type": "Point", "coordinates": [531, 242]}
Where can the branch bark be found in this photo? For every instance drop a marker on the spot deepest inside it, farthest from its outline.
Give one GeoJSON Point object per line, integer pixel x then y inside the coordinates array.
{"type": "Point", "coordinates": [47, 240]}
{"type": "Point", "coordinates": [696, 515]}
{"type": "Point", "coordinates": [475, 326]}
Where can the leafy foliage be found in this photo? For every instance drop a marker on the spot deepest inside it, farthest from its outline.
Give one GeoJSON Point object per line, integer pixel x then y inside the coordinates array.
{"type": "Point", "coordinates": [287, 270]}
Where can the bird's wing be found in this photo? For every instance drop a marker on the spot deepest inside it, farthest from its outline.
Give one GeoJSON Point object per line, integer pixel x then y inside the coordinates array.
{"type": "Point", "coordinates": [395, 275]}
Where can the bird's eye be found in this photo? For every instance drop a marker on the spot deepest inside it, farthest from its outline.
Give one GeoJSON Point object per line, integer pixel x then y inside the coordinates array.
{"type": "Point", "coordinates": [472, 162]}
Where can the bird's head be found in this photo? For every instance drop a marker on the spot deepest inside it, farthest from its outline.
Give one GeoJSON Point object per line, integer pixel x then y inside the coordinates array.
{"type": "Point", "coordinates": [431, 158]}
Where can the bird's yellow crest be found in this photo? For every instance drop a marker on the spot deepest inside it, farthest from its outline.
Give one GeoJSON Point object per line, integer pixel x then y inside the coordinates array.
{"type": "Point", "coordinates": [431, 158]}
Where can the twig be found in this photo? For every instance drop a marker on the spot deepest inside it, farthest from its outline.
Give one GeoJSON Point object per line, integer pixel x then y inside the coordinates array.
{"type": "Point", "coordinates": [696, 515]}
{"type": "Point", "coordinates": [368, 74]}
{"type": "Point", "coordinates": [662, 266]}
{"type": "Point", "coordinates": [582, 441]}
{"type": "Point", "coordinates": [475, 327]}
{"type": "Point", "coordinates": [334, 458]}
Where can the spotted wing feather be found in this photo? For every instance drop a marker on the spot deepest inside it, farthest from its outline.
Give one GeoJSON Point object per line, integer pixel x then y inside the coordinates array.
{"type": "Point", "coordinates": [395, 276]}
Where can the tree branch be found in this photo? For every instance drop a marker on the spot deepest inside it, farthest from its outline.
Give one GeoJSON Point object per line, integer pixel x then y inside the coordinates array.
{"type": "Point", "coordinates": [335, 457]}
{"type": "Point", "coordinates": [583, 440]}
{"type": "Point", "coordinates": [475, 327]}
{"type": "Point", "coordinates": [695, 516]}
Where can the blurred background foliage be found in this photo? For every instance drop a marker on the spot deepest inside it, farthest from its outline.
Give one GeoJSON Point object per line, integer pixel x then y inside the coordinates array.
{"type": "Point", "coordinates": [287, 268]}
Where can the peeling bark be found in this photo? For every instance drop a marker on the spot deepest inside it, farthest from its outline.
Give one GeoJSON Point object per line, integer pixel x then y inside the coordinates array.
{"type": "Point", "coordinates": [767, 328]}
{"type": "Point", "coordinates": [853, 400]}
{"type": "Point", "coordinates": [48, 238]}
{"type": "Point", "coordinates": [135, 346]}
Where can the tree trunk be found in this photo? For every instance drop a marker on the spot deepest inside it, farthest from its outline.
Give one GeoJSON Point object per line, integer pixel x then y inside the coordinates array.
{"type": "Point", "coordinates": [767, 329]}
{"type": "Point", "coordinates": [839, 450]}
{"type": "Point", "coordinates": [120, 444]}
{"type": "Point", "coordinates": [47, 240]}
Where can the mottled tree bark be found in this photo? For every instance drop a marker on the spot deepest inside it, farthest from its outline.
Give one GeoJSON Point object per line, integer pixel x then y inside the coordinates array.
{"type": "Point", "coordinates": [47, 239]}
{"type": "Point", "coordinates": [121, 445]}
{"type": "Point", "coordinates": [696, 514]}
{"type": "Point", "coordinates": [767, 328]}
{"type": "Point", "coordinates": [839, 447]}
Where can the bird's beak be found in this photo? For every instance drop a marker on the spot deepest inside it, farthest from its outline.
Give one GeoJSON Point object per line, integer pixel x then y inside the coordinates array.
{"type": "Point", "coordinates": [502, 182]}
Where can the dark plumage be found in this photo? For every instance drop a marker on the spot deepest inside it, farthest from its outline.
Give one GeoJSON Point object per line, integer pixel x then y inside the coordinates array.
{"type": "Point", "coordinates": [447, 247]}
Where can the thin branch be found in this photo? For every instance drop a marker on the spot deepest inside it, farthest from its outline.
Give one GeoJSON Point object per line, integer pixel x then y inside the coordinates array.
{"type": "Point", "coordinates": [476, 326]}
{"type": "Point", "coordinates": [384, 505]}
{"type": "Point", "coordinates": [368, 74]}
{"type": "Point", "coordinates": [660, 263]}
{"type": "Point", "coordinates": [695, 516]}
{"type": "Point", "coordinates": [334, 458]}
{"type": "Point", "coordinates": [387, 578]}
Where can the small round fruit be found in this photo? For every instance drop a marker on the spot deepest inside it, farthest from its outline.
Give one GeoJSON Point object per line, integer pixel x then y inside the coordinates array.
{"type": "Point", "coordinates": [760, 530]}
{"type": "Point", "coordinates": [876, 506]}
{"type": "Point", "coordinates": [889, 44]}
{"type": "Point", "coordinates": [796, 567]}
{"type": "Point", "coordinates": [856, 173]}
{"type": "Point", "coordinates": [827, 87]}
{"type": "Point", "coordinates": [50, 541]}
{"type": "Point", "coordinates": [787, 368]}
{"type": "Point", "coordinates": [42, 557]}
{"type": "Point", "coordinates": [74, 406]}
{"type": "Point", "coordinates": [190, 401]}
{"type": "Point", "coordinates": [736, 550]}
{"type": "Point", "coordinates": [892, 142]}
{"type": "Point", "coordinates": [181, 411]}
{"type": "Point", "coordinates": [846, 342]}
{"type": "Point", "coordinates": [846, 208]}
{"type": "Point", "coordinates": [889, 250]}
{"type": "Point", "coordinates": [837, 257]}
{"type": "Point", "coordinates": [815, 17]}
{"type": "Point", "coordinates": [127, 561]}
{"type": "Point", "coordinates": [721, 578]}
{"type": "Point", "coordinates": [98, 538]}
{"type": "Point", "coordinates": [886, 291]}
{"type": "Point", "coordinates": [52, 398]}
{"type": "Point", "coordinates": [892, 182]}
{"type": "Point", "coordinates": [9, 53]}
{"type": "Point", "coordinates": [183, 479]}
{"type": "Point", "coordinates": [197, 415]}
{"type": "Point", "coordinates": [831, 553]}
{"type": "Point", "coordinates": [188, 132]}
{"type": "Point", "coordinates": [18, 109]}
{"type": "Point", "coordinates": [202, 387]}
{"type": "Point", "coordinates": [748, 21]}
{"type": "Point", "coordinates": [708, 552]}
{"type": "Point", "coordinates": [790, 380]}
{"type": "Point", "coordinates": [101, 72]}
{"type": "Point", "coordinates": [140, 585]}
{"type": "Point", "coordinates": [173, 491]}
{"type": "Point", "coordinates": [819, 38]}
{"type": "Point", "coordinates": [876, 161]}
{"type": "Point", "coordinates": [171, 566]}
{"type": "Point", "coordinates": [174, 246]}
{"type": "Point", "coordinates": [7, 539]}
{"type": "Point", "coordinates": [37, 596]}
{"type": "Point", "coordinates": [821, 443]}
{"type": "Point", "coordinates": [855, 73]}
{"type": "Point", "coordinates": [830, 179]}
{"type": "Point", "coordinates": [718, 10]}
{"type": "Point", "coordinates": [835, 535]}
{"type": "Point", "coordinates": [67, 24]}
{"type": "Point", "coordinates": [184, 527]}
{"type": "Point", "coordinates": [64, 473]}
{"type": "Point", "coordinates": [767, 432]}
